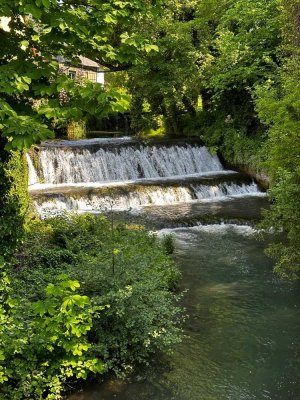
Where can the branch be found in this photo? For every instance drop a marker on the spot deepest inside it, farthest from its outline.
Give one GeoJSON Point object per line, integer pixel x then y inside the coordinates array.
{"type": "Point", "coordinates": [114, 68]}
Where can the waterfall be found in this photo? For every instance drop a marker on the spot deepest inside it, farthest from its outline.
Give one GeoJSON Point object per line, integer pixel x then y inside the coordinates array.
{"type": "Point", "coordinates": [95, 175]}
{"type": "Point", "coordinates": [60, 165]}
{"type": "Point", "coordinates": [141, 197]}
{"type": "Point", "coordinates": [224, 189]}
{"type": "Point", "coordinates": [32, 174]}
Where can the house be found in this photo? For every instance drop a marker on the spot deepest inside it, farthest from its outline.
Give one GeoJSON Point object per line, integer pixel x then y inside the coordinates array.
{"type": "Point", "coordinates": [87, 68]}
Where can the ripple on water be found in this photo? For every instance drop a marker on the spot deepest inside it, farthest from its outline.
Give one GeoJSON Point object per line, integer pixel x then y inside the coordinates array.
{"type": "Point", "coordinates": [243, 327]}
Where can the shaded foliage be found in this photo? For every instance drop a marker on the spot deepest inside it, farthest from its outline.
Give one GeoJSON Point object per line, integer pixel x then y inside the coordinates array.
{"type": "Point", "coordinates": [167, 82]}
{"type": "Point", "coordinates": [36, 94]}
{"type": "Point", "coordinates": [14, 199]}
{"type": "Point", "coordinates": [279, 108]}
{"type": "Point", "coordinates": [44, 343]}
{"type": "Point", "coordinates": [217, 50]}
{"type": "Point", "coordinates": [132, 277]}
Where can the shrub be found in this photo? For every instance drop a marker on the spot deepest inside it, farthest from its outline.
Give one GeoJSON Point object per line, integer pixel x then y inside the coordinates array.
{"type": "Point", "coordinates": [14, 199]}
{"type": "Point", "coordinates": [127, 269]}
{"type": "Point", "coordinates": [44, 343]}
{"type": "Point", "coordinates": [168, 244]}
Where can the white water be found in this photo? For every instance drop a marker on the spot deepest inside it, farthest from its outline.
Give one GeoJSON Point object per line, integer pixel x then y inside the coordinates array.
{"type": "Point", "coordinates": [32, 174]}
{"type": "Point", "coordinates": [149, 195]}
{"type": "Point", "coordinates": [72, 175]}
{"type": "Point", "coordinates": [88, 142]}
{"type": "Point", "coordinates": [123, 163]}
{"type": "Point", "coordinates": [221, 229]}
{"type": "Point", "coordinates": [36, 187]}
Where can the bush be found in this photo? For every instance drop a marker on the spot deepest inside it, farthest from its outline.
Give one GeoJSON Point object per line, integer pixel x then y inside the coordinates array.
{"type": "Point", "coordinates": [14, 199]}
{"type": "Point", "coordinates": [124, 267]}
{"type": "Point", "coordinates": [168, 244]}
{"type": "Point", "coordinates": [44, 343]}
{"type": "Point", "coordinates": [283, 218]}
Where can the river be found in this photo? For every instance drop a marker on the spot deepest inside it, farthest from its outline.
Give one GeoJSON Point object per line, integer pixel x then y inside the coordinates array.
{"type": "Point", "coordinates": [242, 334]}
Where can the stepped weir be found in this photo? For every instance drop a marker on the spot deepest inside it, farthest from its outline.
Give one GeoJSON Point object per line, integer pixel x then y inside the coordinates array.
{"type": "Point", "coordinates": [128, 175]}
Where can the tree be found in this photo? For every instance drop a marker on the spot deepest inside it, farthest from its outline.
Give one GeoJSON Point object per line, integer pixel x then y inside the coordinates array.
{"type": "Point", "coordinates": [167, 82]}
{"type": "Point", "coordinates": [278, 107]}
{"type": "Point", "coordinates": [241, 51]}
{"type": "Point", "coordinates": [244, 49]}
{"type": "Point", "coordinates": [213, 49]}
{"type": "Point", "coordinates": [35, 94]}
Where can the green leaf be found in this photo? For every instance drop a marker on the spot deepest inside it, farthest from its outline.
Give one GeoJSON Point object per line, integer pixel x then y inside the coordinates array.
{"type": "Point", "coordinates": [73, 285]}
{"type": "Point", "coordinates": [33, 10]}
{"type": "Point", "coordinates": [151, 47]}
{"type": "Point", "coordinates": [24, 43]}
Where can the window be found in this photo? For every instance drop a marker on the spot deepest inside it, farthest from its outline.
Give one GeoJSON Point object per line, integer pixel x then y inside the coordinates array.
{"type": "Point", "coordinates": [72, 74]}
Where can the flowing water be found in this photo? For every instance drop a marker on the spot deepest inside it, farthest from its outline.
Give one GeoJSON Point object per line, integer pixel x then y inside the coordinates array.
{"type": "Point", "coordinates": [243, 328]}
{"type": "Point", "coordinates": [150, 195]}
{"type": "Point", "coordinates": [123, 163]}
{"type": "Point", "coordinates": [242, 335]}
{"type": "Point", "coordinates": [90, 175]}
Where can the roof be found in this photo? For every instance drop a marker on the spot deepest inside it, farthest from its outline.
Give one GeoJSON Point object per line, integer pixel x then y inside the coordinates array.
{"type": "Point", "coordinates": [85, 62]}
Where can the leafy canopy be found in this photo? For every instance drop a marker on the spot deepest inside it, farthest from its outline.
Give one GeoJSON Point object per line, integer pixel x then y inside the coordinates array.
{"type": "Point", "coordinates": [34, 94]}
{"type": "Point", "coordinates": [278, 107]}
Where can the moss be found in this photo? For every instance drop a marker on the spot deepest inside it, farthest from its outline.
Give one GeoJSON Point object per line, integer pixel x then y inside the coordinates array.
{"type": "Point", "coordinates": [16, 207]}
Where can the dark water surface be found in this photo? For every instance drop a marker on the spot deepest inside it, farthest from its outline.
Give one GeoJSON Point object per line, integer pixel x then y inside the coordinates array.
{"type": "Point", "coordinates": [243, 331]}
